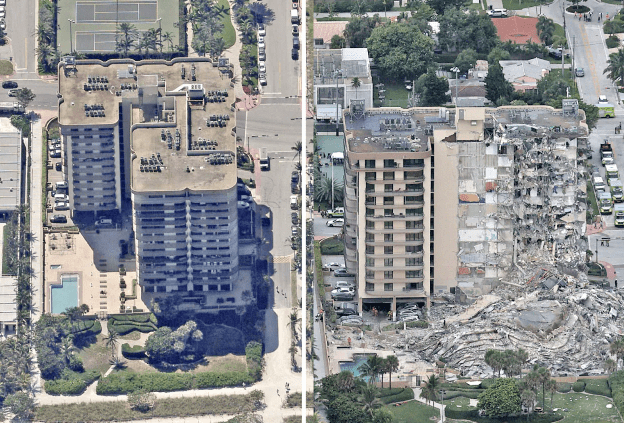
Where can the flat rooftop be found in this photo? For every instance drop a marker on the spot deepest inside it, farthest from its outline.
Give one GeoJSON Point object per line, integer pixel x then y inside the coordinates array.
{"type": "Point", "coordinates": [10, 166]}
{"type": "Point", "coordinates": [175, 147]}
{"type": "Point", "coordinates": [393, 129]}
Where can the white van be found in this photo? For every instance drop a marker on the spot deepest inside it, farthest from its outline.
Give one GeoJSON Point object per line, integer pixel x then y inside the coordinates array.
{"type": "Point", "coordinates": [60, 197]}
{"type": "Point", "coordinates": [62, 185]}
{"type": "Point", "coordinates": [497, 13]}
{"type": "Point", "coordinates": [104, 222]}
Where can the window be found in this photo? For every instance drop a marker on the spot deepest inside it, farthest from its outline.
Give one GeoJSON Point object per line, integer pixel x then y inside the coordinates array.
{"type": "Point", "coordinates": [414, 212]}
{"type": "Point", "coordinates": [388, 201]}
{"type": "Point", "coordinates": [388, 212]}
{"type": "Point", "coordinates": [413, 187]}
{"type": "Point", "coordinates": [370, 188]}
{"type": "Point", "coordinates": [389, 225]}
{"type": "Point", "coordinates": [388, 262]}
{"type": "Point", "coordinates": [370, 237]}
{"type": "Point", "coordinates": [412, 224]}
{"type": "Point", "coordinates": [370, 262]}
{"type": "Point", "coordinates": [414, 237]}
{"type": "Point", "coordinates": [413, 162]}
{"type": "Point", "coordinates": [370, 213]}
{"type": "Point", "coordinates": [370, 176]}
{"type": "Point", "coordinates": [388, 187]}
{"type": "Point", "coordinates": [369, 286]}
{"type": "Point", "coordinates": [388, 250]}
{"type": "Point", "coordinates": [388, 237]}
{"type": "Point", "coordinates": [369, 164]}
{"type": "Point", "coordinates": [412, 261]}
{"type": "Point", "coordinates": [370, 224]}
{"type": "Point", "coordinates": [388, 287]}
{"type": "Point", "coordinates": [413, 248]}
{"type": "Point", "coordinates": [411, 274]}
{"type": "Point", "coordinates": [388, 274]}
{"type": "Point", "coordinates": [388, 176]}
{"type": "Point", "coordinates": [502, 149]}
{"type": "Point", "coordinates": [370, 249]}
{"type": "Point", "coordinates": [370, 201]}
{"type": "Point", "coordinates": [412, 175]}
{"type": "Point", "coordinates": [370, 274]}
{"type": "Point", "coordinates": [389, 163]}
{"type": "Point", "coordinates": [319, 42]}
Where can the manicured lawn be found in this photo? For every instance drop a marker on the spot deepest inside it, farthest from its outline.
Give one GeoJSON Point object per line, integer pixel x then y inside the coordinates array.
{"type": "Point", "coordinates": [413, 412]}
{"type": "Point", "coordinates": [132, 336]}
{"type": "Point", "coordinates": [228, 363]}
{"type": "Point", "coordinates": [522, 4]}
{"type": "Point", "coordinates": [229, 33]}
{"type": "Point", "coordinates": [96, 355]}
{"type": "Point", "coordinates": [584, 408]}
{"type": "Point", "coordinates": [6, 67]}
{"type": "Point", "coordinates": [396, 95]}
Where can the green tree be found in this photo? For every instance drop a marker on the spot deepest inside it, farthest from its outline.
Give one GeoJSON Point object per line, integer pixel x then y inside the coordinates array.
{"type": "Point", "coordinates": [359, 29]}
{"type": "Point", "coordinates": [610, 366]}
{"type": "Point", "coordinates": [297, 148]}
{"type": "Point", "coordinates": [345, 409]}
{"type": "Point", "coordinates": [24, 96]}
{"type": "Point", "coordinates": [346, 381]}
{"type": "Point", "coordinates": [545, 29]}
{"type": "Point", "coordinates": [369, 400]}
{"type": "Point", "coordinates": [527, 398]}
{"type": "Point", "coordinates": [551, 387]}
{"type": "Point", "coordinates": [591, 114]}
{"type": "Point", "coordinates": [324, 192]}
{"type": "Point", "coordinates": [21, 404]}
{"type": "Point", "coordinates": [616, 348]}
{"type": "Point", "coordinates": [432, 89]}
{"type": "Point", "coordinates": [497, 54]}
{"type": "Point", "coordinates": [337, 42]}
{"type": "Point", "coordinates": [112, 340]}
{"type": "Point", "coordinates": [430, 391]}
{"type": "Point", "coordinates": [382, 415]}
{"type": "Point", "coordinates": [466, 60]}
{"type": "Point", "coordinates": [575, 4]}
{"type": "Point", "coordinates": [356, 83]}
{"type": "Point", "coordinates": [141, 400]}
{"type": "Point", "coordinates": [372, 367]}
{"type": "Point", "coordinates": [494, 360]}
{"type": "Point", "coordinates": [392, 363]}
{"type": "Point", "coordinates": [440, 6]}
{"type": "Point", "coordinates": [501, 399]}
{"type": "Point", "coordinates": [460, 30]}
{"type": "Point", "coordinates": [544, 379]}
{"type": "Point", "coordinates": [496, 86]}
{"type": "Point", "coordinates": [399, 51]}
{"type": "Point", "coordinates": [615, 67]}
{"type": "Point", "coordinates": [126, 38]}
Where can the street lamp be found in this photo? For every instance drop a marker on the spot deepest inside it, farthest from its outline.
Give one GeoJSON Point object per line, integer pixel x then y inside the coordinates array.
{"type": "Point", "coordinates": [331, 159]}
{"type": "Point", "coordinates": [71, 44]}
{"type": "Point", "coordinates": [456, 70]}
{"type": "Point", "coordinates": [442, 392]}
{"type": "Point", "coordinates": [336, 72]}
{"type": "Point", "coordinates": [159, 20]}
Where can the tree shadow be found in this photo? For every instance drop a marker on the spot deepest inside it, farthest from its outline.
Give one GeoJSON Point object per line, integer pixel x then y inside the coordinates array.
{"type": "Point", "coordinates": [262, 13]}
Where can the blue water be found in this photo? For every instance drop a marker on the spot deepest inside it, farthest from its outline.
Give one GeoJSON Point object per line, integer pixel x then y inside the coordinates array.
{"type": "Point", "coordinates": [65, 295]}
{"type": "Point", "coordinates": [354, 366]}
{"type": "Point", "coordinates": [331, 144]}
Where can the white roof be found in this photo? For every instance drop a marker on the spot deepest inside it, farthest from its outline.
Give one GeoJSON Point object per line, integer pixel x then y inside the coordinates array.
{"type": "Point", "coordinates": [611, 168]}
{"type": "Point", "coordinates": [354, 54]}
{"type": "Point", "coordinates": [8, 308]}
{"type": "Point", "coordinates": [337, 155]}
{"type": "Point", "coordinates": [327, 111]}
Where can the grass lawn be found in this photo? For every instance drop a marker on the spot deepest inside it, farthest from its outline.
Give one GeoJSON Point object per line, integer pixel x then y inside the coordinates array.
{"type": "Point", "coordinates": [5, 251]}
{"type": "Point", "coordinates": [591, 197]}
{"type": "Point", "coordinates": [96, 355]}
{"type": "Point", "coordinates": [413, 412]}
{"type": "Point", "coordinates": [584, 408]}
{"type": "Point", "coordinates": [135, 335]}
{"type": "Point", "coordinates": [396, 95]}
{"type": "Point", "coordinates": [228, 33]}
{"type": "Point", "coordinates": [6, 67]}
{"type": "Point", "coordinates": [475, 6]}
{"type": "Point", "coordinates": [332, 246]}
{"type": "Point", "coordinates": [522, 4]}
{"type": "Point", "coordinates": [228, 363]}
{"type": "Point", "coordinates": [461, 402]}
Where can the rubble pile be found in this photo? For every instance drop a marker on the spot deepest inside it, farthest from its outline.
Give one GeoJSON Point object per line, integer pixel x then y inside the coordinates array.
{"type": "Point", "coordinates": [566, 328]}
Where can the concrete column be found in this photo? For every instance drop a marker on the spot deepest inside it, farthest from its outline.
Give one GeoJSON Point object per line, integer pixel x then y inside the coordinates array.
{"type": "Point", "coordinates": [394, 309]}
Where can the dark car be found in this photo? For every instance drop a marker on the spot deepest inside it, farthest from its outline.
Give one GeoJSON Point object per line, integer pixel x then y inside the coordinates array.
{"type": "Point", "coordinates": [294, 218]}
{"type": "Point", "coordinates": [346, 311]}
{"type": "Point", "coordinates": [296, 43]}
{"type": "Point", "coordinates": [295, 54]}
{"type": "Point", "coordinates": [343, 272]}
{"type": "Point", "coordinates": [59, 166]}
{"type": "Point", "coordinates": [58, 218]}
{"type": "Point", "coordinates": [9, 84]}
{"type": "Point", "coordinates": [294, 177]}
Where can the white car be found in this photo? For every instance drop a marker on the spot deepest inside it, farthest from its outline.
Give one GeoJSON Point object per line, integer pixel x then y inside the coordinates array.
{"type": "Point", "coordinates": [61, 206]}
{"type": "Point", "coordinates": [331, 266]}
{"type": "Point", "coordinates": [261, 30]}
{"type": "Point", "coordinates": [345, 284]}
{"type": "Point", "coordinates": [261, 43]}
{"type": "Point", "coordinates": [262, 67]}
{"type": "Point", "coordinates": [343, 290]}
{"type": "Point", "coordinates": [335, 222]}
{"type": "Point", "coordinates": [243, 205]}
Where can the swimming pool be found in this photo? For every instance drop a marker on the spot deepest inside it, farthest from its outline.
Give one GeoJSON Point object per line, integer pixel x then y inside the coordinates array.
{"type": "Point", "coordinates": [65, 295]}
{"type": "Point", "coordinates": [354, 366]}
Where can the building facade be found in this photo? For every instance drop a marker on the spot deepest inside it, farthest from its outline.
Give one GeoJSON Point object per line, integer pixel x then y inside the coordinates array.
{"type": "Point", "coordinates": [437, 199]}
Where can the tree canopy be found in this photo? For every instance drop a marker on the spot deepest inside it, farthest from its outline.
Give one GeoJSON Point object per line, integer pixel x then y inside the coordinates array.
{"type": "Point", "coordinates": [501, 399]}
{"type": "Point", "coordinates": [460, 31]}
{"type": "Point", "coordinates": [498, 89]}
{"type": "Point", "coordinates": [432, 89]}
{"type": "Point", "coordinates": [399, 51]}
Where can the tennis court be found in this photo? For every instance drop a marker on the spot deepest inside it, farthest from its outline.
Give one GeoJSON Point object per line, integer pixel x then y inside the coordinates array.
{"type": "Point", "coordinates": [98, 12]}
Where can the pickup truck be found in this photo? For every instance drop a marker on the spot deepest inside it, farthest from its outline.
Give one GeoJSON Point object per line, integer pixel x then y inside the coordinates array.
{"type": "Point", "coordinates": [606, 153]}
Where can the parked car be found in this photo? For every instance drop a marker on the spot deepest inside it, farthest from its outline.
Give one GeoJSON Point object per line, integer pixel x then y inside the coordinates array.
{"type": "Point", "coordinates": [13, 93]}
{"type": "Point", "coordinates": [9, 84]}
{"type": "Point", "coordinates": [335, 222]}
{"type": "Point", "coordinates": [262, 67]}
{"type": "Point", "coordinates": [61, 206]}
{"type": "Point", "coordinates": [343, 297]}
{"type": "Point", "coordinates": [345, 284]}
{"type": "Point", "coordinates": [343, 272]}
{"type": "Point", "coordinates": [295, 54]}
{"type": "Point", "coordinates": [351, 320]}
{"type": "Point", "coordinates": [262, 57]}
{"type": "Point", "coordinates": [294, 218]}
{"type": "Point", "coordinates": [295, 30]}
{"type": "Point", "coordinates": [62, 185]}
{"type": "Point", "coordinates": [243, 205]}
{"type": "Point", "coordinates": [331, 266]}
{"type": "Point", "coordinates": [58, 166]}
{"type": "Point", "coordinates": [411, 318]}
{"type": "Point", "coordinates": [294, 177]}
{"type": "Point", "coordinates": [346, 312]}
{"type": "Point", "coordinates": [580, 72]}
{"type": "Point", "coordinates": [58, 218]}
{"type": "Point", "coordinates": [344, 290]}
{"type": "Point", "coordinates": [262, 78]}
{"type": "Point", "coordinates": [261, 30]}
{"type": "Point", "coordinates": [296, 43]}
{"type": "Point", "coordinates": [55, 154]}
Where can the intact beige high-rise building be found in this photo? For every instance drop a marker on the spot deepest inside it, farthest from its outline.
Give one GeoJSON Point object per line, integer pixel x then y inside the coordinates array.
{"type": "Point", "coordinates": [438, 198]}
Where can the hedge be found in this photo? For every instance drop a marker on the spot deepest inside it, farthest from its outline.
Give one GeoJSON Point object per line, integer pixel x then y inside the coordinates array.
{"type": "Point", "coordinates": [406, 394]}
{"type": "Point", "coordinates": [578, 386]}
{"type": "Point", "coordinates": [386, 392]}
{"type": "Point", "coordinates": [465, 414]}
{"type": "Point", "coordinates": [598, 387]}
{"type": "Point", "coordinates": [65, 386]}
{"type": "Point", "coordinates": [86, 327]}
{"type": "Point", "coordinates": [255, 362]}
{"type": "Point", "coordinates": [474, 394]}
{"type": "Point", "coordinates": [126, 323]}
{"type": "Point", "coordinates": [133, 353]}
{"type": "Point", "coordinates": [123, 383]}
{"type": "Point", "coordinates": [139, 318]}
{"type": "Point", "coordinates": [616, 381]}
{"type": "Point", "coordinates": [564, 387]}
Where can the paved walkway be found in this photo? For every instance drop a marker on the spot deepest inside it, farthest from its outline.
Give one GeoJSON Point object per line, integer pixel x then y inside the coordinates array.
{"type": "Point", "coordinates": [36, 227]}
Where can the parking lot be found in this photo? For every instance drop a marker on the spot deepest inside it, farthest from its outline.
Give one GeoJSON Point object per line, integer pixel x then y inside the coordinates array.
{"type": "Point", "coordinates": [58, 213]}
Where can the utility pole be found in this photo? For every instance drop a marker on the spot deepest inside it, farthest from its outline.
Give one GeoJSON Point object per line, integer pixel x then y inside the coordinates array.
{"type": "Point", "coordinates": [564, 36]}
{"type": "Point", "coordinates": [573, 59]}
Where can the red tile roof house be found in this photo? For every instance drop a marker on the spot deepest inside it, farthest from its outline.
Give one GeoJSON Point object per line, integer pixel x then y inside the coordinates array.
{"type": "Point", "coordinates": [517, 30]}
{"type": "Point", "coordinates": [324, 31]}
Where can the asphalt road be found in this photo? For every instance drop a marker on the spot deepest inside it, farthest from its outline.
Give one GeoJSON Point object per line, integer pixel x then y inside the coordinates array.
{"type": "Point", "coordinates": [283, 73]}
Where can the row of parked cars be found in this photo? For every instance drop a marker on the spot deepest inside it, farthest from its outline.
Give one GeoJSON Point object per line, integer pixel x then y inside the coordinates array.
{"type": "Point", "coordinates": [261, 54]}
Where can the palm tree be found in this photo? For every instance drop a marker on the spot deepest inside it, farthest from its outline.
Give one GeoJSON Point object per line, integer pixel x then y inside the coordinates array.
{"type": "Point", "coordinates": [294, 320]}
{"type": "Point", "coordinates": [527, 397]}
{"type": "Point", "coordinates": [346, 381]}
{"type": "Point", "coordinates": [356, 83]}
{"type": "Point", "coordinates": [493, 359]}
{"type": "Point", "coordinates": [431, 386]}
{"type": "Point", "coordinates": [324, 191]}
{"type": "Point", "coordinates": [67, 349]}
{"type": "Point", "coordinates": [127, 38]}
{"type": "Point", "coordinates": [544, 378]}
{"type": "Point", "coordinates": [615, 68]}
{"type": "Point", "coordinates": [383, 369]}
{"type": "Point", "coordinates": [617, 349]}
{"type": "Point", "coordinates": [371, 368]}
{"type": "Point", "coordinates": [217, 46]}
{"type": "Point", "coordinates": [609, 365]}
{"type": "Point", "coordinates": [112, 340]}
{"type": "Point", "coordinates": [167, 37]}
{"type": "Point", "coordinates": [545, 29]}
{"type": "Point", "coordinates": [368, 399]}
{"type": "Point", "coordinates": [392, 363]}
{"type": "Point", "coordinates": [118, 362]}
{"type": "Point", "coordinates": [551, 387]}
{"type": "Point", "coordinates": [297, 148]}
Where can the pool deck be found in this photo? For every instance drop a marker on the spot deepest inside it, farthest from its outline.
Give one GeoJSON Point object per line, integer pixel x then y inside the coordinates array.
{"type": "Point", "coordinates": [98, 286]}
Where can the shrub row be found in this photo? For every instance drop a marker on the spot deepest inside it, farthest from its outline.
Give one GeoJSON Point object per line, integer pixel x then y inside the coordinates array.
{"type": "Point", "coordinates": [255, 361]}
{"type": "Point", "coordinates": [578, 386]}
{"type": "Point", "coordinates": [464, 414]}
{"type": "Point", "coordinates": [138, 318]}
{"type": "Point", "coordinates": [122, 383]}
{"type": "Point", "coordinates": [386, 392]}
{"type": "Point", "coordinates": [406, 394]}
{"type": "Point", "coordinates": [126, 323]}
{"type": "Point", "coordinates": [136, 352]}
{"type": "Point", "coordinates": [86, 327]}
{"type": "Point", "coordinates": [564, 387]}
{"type": "Point", "coordinates": [474, 394]}
{"type": "Point", "coordinates": [598, 387]}
{"type": "Point", "coordinates": [616, 381]}
{"type": "Point", "coordinates": [65, 386]}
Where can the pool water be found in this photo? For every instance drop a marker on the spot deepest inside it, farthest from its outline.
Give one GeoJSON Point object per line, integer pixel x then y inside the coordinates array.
{"type": "Point", "coordinates": [65, 295]}
{"type": "Point", "coordinates": [354, 366]}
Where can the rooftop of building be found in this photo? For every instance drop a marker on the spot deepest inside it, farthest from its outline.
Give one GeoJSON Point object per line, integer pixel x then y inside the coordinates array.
{"type": "Point", "coordinates": [10, 166]}
{"type": "Point", "coordinates": [326, 30]}
{"type": "Point", "coordinates": [174, 147]}
{"type": "Point", "coordinates": [518, 30]}
{"type": "Point", "coordinates": [349, 62]}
